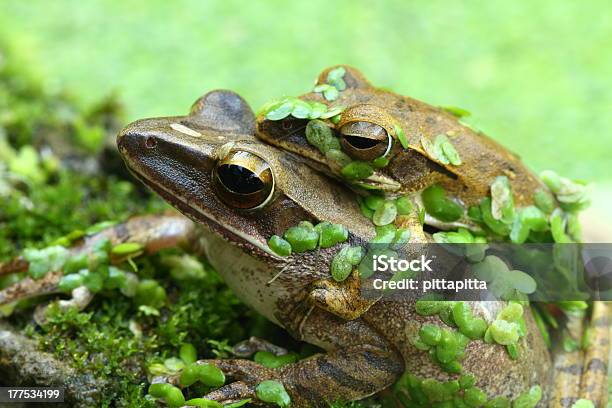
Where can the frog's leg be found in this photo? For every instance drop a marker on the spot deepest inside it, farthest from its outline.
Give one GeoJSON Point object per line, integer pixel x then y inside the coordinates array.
{"type": "Point", "coordinates": [343, 299]}
{"type": "Point", "coordinates": [593, 385]}
{"type": "Point", "coordinates": [360, 363]}
{"type": "Point", "coordinates": [153, 232]}
{"type": "Point", "coordinates": [568, 366]}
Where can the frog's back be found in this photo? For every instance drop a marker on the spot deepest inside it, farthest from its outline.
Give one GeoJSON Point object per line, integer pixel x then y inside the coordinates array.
{"type": "Point", "coordinates": [494, 370]}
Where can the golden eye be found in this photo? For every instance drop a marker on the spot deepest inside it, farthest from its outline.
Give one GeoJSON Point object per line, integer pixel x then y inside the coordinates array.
{"type": "Point", "coordinates": [364, 140]}
{"type": "Point", "coordinates": [243, 180]}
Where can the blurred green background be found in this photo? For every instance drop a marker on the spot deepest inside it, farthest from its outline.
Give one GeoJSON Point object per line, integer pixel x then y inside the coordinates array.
{"type": "Point", "coordinates": [535, 74]}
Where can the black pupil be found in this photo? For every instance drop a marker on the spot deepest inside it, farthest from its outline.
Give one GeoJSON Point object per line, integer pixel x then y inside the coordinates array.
{"type": "Point", "coordinates": [239, 179]}
{"type": "Point", "coordinates": [359, 142]}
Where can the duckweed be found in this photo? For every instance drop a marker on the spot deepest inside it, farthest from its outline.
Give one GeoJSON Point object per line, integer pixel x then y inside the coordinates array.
{"type": "Point", "coordinates": [572, 195]}
{"type": "Point", "coordinates": [343, 262]}
{"type": "Point", "coordinates": [439, 206]}
{"type": "Point", "coordinates": [357, 170]}
{"type": "Point", "coordinates": [273, 392]}
{"type": "Point", "coordinates": [319, 135]}
{"type": "Point", "coordinates": [279, 245]}
{"type": "Point", "coordinates": [504, 332]}
{"type": "Point", "coordinates": [497, 226]}
{"type": "Point", "coordinates": [528, 399]}
{"type": "Point", "coordinates": [150, 293]}
{"type": "Point", "coordinates": [473, 327]}
{"type": "Point", "coordinates": [271, 360]}
{"type": "Point", "coordinates": [374, 202]}
{"type": "Point", "coordinates": [456, 111]}
{"type": "Point", "coordinates": [365, 210]}
{"type": "Point", "coordinates": [298, 108]}
{"type": "Point", "coordinates": [441, 150]}
{"type": "Point", "coordinates": [430, 334]}
{"type": "Point", "coordinates": [446, 347]}
{"type": "Point", "coordinates": [403, 205]}
{"type": "Point", "coordinates": [188, 353]}
{"type": "Point", "coordinates": [544, 201]}
{"type": "Point", "coordinates": [380, 162]}
{"type": "Point", "coordinates": [170, 394]}
{"type": "Point", "coordinates": [331, 234]}
{"type": "Point", "coordinates": [401, 136]}
{"type": "Point", "coordinates": [70, 282]}
{"type": "Point", "coordinates": [302, 238]}
{"type": "Point", "coordinates": [203, 403]}
{"type": "Point", "coordinates": [451, 155]}
{"type": "Point", "coordinates": [507, 328]}
{"type": "Point", "coordinates": [42, 261]}
{"type": "Point", "coordinates": [335, 78]}
{"type": "Point", "coordinates": [583, 403]}
{"type": "Point", "coordinates": [474, 397]}
{"type": "Point", "coordinates": [127, 248]}
{"type": "Point", "coordinates": [502, 202]}
{"type": "Point", "coordinates": [385, 214]}
{"type": "Point", "coordinates": [329, 92]}
{"type": "Point", "coordinates": [338, 157]}
{"type": "Point", "coordinates": [528, 219]}
{"type": "Point", "coordinates": [421, 393]}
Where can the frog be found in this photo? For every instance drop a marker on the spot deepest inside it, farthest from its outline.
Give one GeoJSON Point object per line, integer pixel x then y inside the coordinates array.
{"type": "Point", "coordinates": [236, 192]}
{"type": "Point", "coordinates": [407, 144]}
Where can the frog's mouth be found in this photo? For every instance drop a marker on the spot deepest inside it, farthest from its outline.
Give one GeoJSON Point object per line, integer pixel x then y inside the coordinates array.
{"type": "Point", "coordinates": [180, 173]}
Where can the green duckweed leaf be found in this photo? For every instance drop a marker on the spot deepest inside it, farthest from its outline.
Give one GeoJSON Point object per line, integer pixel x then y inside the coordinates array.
{"type": "Point", "coordinates": [280, 110]}
{"type": "Point", "coordinates": [448, 150]}
{"type": "Point", "coordinates": [385, 214]}
{"type": "Point", "coordinates": [456, 111]}
{"type": "Point", "coordinates": [439, 206]}
{"type": "Point", "coordinates": [302, 238]}
{"type": "Point", "coordinates": [279, 246]}
{"type": "Point", "coordinates": [502, 202]}
{"type": "Point", "coordinates": [357, 170]}
{"type": "Point", "coordinates": [273, 392]}
{"type": "Point", "coordinates": [338, 157]}
{"type": "Point", "coordinates": [401, 136]}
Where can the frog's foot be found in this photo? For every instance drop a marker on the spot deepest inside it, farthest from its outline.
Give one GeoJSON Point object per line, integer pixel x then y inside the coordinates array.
{"type": "Point", "coordinates": [348, 374]}
{"type": "Point", "coordinates": [593, 385]}
{"type": "Point", "coordinates": [582, 374]}
{"type": "Point", "coordinates": [342, 299]}
{"type": "Point", "coordinates": [152, 233]}
{"type": "Point", "coordinates": [568, 365]}
{"type": "Point", "coordinates": [251, 346]}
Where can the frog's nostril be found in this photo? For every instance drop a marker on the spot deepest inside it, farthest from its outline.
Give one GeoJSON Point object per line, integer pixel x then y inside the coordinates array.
{"type": "Point", "coordinates": [150, 142]}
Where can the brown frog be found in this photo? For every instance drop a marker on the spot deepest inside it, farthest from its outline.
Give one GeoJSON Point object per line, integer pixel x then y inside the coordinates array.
{"type": "Point", "coordinates": [209, 166]}
{"type": "Point", "coordinates": [407, 144]}
{"type": "Point", "coordinates": [241, 191]}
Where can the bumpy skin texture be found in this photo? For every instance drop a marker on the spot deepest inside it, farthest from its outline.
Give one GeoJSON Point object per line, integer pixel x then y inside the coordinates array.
{"type": "Point", "coordinates": [367, 344]}
{"type": "Point", "coordinates": [411, 169]}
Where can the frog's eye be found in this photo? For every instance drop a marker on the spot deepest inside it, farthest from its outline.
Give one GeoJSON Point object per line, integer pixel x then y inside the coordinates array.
{"type": "Point", "coordinates": [243, 180]}
{"type": "Point", "coordinates": [364, 140]}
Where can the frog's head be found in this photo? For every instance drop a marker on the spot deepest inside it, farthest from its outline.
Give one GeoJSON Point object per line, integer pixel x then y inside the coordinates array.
{"type": "Point", "coordinates": [210, 166]}
{"type": "Point", "coordinates": [405, 142]}
{"type": "Point", "coordinates": [365, 129]}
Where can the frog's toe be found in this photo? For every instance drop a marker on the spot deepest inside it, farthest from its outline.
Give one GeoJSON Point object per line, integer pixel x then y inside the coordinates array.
{"type": "Point", "coordinates": [81, 297]}
{"type": "Point", "coordinates": [232, 392]}
{"type": "Point", "coordinates": [28, 288]}
{"type": "Point", "coordinates": [251, 346]}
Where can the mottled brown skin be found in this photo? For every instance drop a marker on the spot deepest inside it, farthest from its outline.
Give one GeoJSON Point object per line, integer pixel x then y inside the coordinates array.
{"type": "Point", "coordinates": [367, 343]}
{"type": "Point", "coordinates": [411, 169]}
